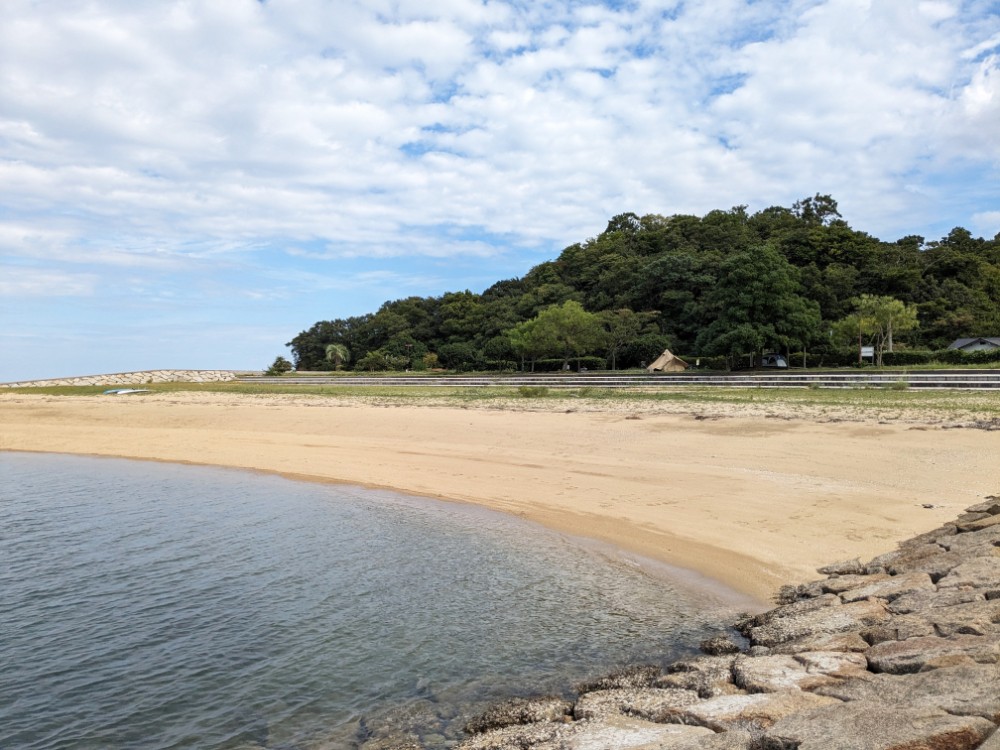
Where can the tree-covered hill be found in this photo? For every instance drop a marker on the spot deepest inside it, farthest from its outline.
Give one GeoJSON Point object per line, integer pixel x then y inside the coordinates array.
{"type": "Point", "coordinates": [724, 284]}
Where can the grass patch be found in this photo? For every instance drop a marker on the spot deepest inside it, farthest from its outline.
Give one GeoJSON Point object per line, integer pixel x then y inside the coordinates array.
{"type": "Point", "coordinates": [532, 391]}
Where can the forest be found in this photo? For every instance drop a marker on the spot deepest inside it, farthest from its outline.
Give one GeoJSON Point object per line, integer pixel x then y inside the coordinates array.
{"type": "Point", "coordinates": [718, 288]}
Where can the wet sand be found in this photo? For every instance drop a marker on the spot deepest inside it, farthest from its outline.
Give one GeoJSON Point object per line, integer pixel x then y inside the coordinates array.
{"type": "Point", "coordinates": [752, 501]}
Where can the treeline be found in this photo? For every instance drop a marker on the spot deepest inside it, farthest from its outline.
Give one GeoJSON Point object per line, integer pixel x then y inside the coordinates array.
{"type": "Point", "coordinates": [724, 285]}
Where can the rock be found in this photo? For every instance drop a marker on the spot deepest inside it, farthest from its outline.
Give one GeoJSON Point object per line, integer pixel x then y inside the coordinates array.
{"type": "Point", "coordinates": [401, 742]}
{"type": "Point", "coordinates": [769, 674]}
{"type": "Point", "coordinates": [747, 623]}
{"type": "Point", "coordinates": [977, 544]}
{"type": "Point", "coordinates": [839, 584]}
{"type": "Point", "coordinates": [751, 712]}
{"type": "Point", "coordinates": [804, 671]}
{"type": "Point", "coordinates": [844, 567]}
{"type": "Point", "coordinates": [719, 645]}
{"type": "Point", "coordinates": [990, 505]}
{"type": "Point", "coordinates": [854, 726]}
{"type": "Point", "coordinates": [889, 587]}
{"type": "Point", "coordinates": [832, 619]}
{"type": "Point", "coordinates": [980, 617]}
{"type": "Point", "coordinates": [630, 677]}
{"type": "Point", "coordinates": [923, 601]}
{"type": "Point", "coordinates": [974, 618]}
{"type": "Point", "coordinates": [791, 594]}
{"type": "Point", "coordinates": [979, 573]}
{"type": "Point", "coordinates": [969, 517]}
{"type": "Point", "coordinates": [516, 737]}
{"type": "Point", "coordinates": [898, 629]}
{"type": "Point", "coordinates": [833, 663]}
{"type": "Point", "coordinates": [924, 558]}
{"type": "Point", "coordinates": [620, 732]}
{"type": "Point", "coordinates": [735, 739]}
{"type": "Point", "coordinates": [644, 703]}
{"type": "Point", "coordinates": [915, 654]}
{"type": "Point", "coordinates": [993, 743]}
{"type": "Point", "coordinates": [982, 523]}
{"type": "Point", "coordinates": [962, 691]}
{"type": "Point", "coordinates": [709, 676]}
{"type": "Point", "coordinates": [849, 641]}
{"type": "Point", "coordinates": [520, 711]}
{"type": "Point", "coordinates": [930, 537]}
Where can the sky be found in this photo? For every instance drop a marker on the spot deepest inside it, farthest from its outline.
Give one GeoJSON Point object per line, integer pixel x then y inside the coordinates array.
{"type": "Point", "coordinates": [191, 183]}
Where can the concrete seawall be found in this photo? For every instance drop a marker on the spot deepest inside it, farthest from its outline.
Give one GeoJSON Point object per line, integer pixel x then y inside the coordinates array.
{"type": "Point", "coordinates": [141, 377]}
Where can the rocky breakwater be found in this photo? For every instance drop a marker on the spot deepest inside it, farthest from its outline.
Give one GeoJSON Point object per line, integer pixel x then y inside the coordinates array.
{"type": "Point", "coordinates": [142, 377]}
{"type": "Point", "coordinates": [899, 653]}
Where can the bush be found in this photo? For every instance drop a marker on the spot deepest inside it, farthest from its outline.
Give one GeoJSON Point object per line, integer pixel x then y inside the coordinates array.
{"type": "Point", "coordinates": [279, 367]}
{"type": "Point", "coordinates": [951, 356]}
{"type": "Point", "coordinates": [555, 365]}
{"type": "Point", "coordinates": [958, 357]}
{"type": "Point", "coordinates": [380, 361]}
{"type": "Point", "coordinates": [705, 363]}
{"type": "Point", "coordinates": [982, 357]}
{"type": "Point", "coordinates": [502, 365]}
{"type": "Point", "coordinates": [907, 358]}
{"type": "Point", "coordinates": [835, 358]}
{"type": "Point", "coordinates": [460, 356]}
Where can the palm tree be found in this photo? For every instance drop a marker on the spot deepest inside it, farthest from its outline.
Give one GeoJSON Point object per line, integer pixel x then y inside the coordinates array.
{"type": "Point", "coordinates": [337, 355]}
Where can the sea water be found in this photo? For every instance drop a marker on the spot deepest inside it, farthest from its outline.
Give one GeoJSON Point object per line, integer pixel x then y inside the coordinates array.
{"type": "Point", "coordinates": [148, 605]}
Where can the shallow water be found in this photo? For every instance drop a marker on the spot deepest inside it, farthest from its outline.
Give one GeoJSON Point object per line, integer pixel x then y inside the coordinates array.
{"type": "Point", "coordinates": [149, 605]}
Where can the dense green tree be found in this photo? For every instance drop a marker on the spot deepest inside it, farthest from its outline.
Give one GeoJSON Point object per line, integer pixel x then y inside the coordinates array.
{"type": "Point", "coordinates": [621, 327]}
{"type": "Point", "coordinates": [757, 304]}
{"type": "Point", "coordinates": [573, 330]}
{"type": "Point", "coordinates": [820, 209]}
{"type": "Point", "coordinates": [879, 319]}
{"type": "Point", "coordinates": [682, 268]}
{"type": "Point", "coordinates": [459, 355]}
{"type": "Point", "coordinates": [529, 341]}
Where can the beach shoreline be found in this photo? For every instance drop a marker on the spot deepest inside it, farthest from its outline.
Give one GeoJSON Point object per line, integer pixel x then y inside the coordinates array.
{"type": "Point", "coordinates": [752, 502]}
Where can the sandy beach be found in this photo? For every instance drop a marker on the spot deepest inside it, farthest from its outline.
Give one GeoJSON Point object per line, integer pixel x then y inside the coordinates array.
{"type": "Point", "coordinates": [754, 501]}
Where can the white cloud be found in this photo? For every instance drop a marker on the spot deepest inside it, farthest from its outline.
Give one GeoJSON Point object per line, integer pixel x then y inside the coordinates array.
{"type": "Point", "coordinates": [986, 224]}
{"type": "Point", "coordinates": [29, 282]}
{"type": "Point", "coordinates": [180, 136]}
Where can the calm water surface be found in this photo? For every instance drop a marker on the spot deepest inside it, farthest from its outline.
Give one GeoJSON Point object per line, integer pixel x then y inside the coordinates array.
{"type": "Point", "coordinates": [147, 605]}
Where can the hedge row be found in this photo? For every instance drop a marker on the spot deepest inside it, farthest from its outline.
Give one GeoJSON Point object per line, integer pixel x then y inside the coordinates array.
{"type": "Point", "coordinates": [849, 358]}
{"type": "Point", "coordinates": [842, 358]}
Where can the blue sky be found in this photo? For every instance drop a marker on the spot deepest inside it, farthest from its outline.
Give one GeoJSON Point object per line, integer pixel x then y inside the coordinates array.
{"type": "Point", "coordinates": [188, 185]}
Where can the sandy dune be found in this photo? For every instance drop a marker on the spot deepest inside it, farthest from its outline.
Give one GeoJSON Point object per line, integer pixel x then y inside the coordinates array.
{"type": "Point", "coordinates": [753, 502]}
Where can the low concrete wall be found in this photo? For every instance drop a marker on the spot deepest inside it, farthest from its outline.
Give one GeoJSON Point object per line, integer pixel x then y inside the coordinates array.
{"type": "Point", "coordinates": [143, 377]}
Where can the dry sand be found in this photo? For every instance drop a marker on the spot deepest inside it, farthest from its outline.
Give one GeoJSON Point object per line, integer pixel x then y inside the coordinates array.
{"type": "Point", "coordinates": [751, 501]}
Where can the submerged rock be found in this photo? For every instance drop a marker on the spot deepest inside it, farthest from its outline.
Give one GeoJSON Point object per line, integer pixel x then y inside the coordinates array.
{"type": "Point", "coordinates": [520, 711]}
{"type": "Point", "coordinates": [645, 703]}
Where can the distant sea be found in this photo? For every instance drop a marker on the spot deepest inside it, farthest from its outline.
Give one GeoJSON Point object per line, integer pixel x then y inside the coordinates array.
{"type": "Point", "coordinates": [148, 605]}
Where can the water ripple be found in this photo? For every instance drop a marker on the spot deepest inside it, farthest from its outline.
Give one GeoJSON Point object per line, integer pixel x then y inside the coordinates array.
{"type": "Point", "coordinates": [155, 606]}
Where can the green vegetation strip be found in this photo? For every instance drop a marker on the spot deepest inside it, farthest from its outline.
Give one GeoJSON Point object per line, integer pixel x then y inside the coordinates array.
{"type": "Point", "coordinates": [982, 404]}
